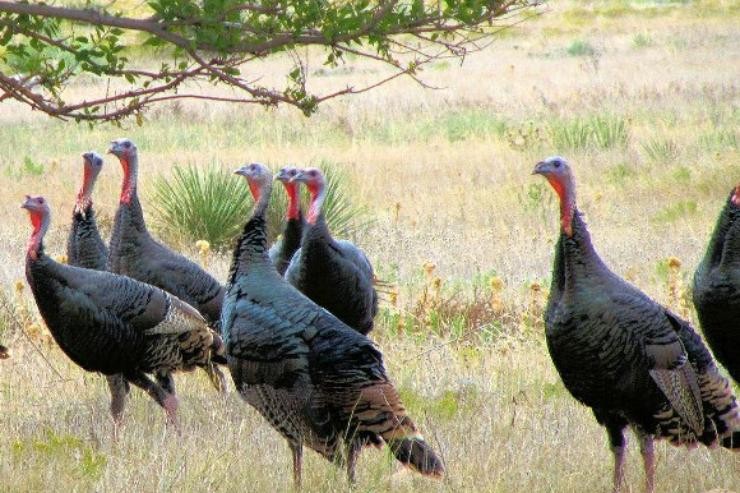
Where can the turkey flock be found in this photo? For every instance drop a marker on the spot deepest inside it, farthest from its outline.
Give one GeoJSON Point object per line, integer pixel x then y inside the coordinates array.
{"type": "Point", "coordinates": [291, 324]}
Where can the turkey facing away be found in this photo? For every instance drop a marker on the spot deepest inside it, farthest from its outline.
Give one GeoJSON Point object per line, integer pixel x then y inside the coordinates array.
{"type": "Point", "coordinates": [717, 288]}
{"type": "Point", "coordinates": [85, 247]}
{"type": "Point", "coordinates": [283, 249]}
{"type": "Point", "coordinates": [115, 325]}
{"type": "Point", "coordinates": [133, 251]}
{"type": "Point", "coordinates": [316, 381]}
{"type": "Point", "coordinates": [333, 273]}
{"type": "Point", "coordinates": [631, 360]}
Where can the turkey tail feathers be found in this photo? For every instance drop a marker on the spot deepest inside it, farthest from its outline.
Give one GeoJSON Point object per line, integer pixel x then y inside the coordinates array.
{"type": "Point", "coordinates": [414, 452]}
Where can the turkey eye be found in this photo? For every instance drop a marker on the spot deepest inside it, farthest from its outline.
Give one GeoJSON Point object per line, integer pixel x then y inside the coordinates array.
{"type": "Point", "coordinates": [556, 164]}
{"type": "Point", "coordinates": [41, 201]}
{"type": "Point", "coordinates": [126, 145]}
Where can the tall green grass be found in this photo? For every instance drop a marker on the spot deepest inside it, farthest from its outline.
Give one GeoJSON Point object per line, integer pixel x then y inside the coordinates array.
{"type": "Point", "coordinates": [595, 132]}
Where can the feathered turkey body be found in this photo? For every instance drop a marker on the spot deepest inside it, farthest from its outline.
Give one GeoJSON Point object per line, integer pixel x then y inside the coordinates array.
{"type": "Point", "coordinates": [315, 380]}
{"type": "Point", "coordinates": [135, 253]}
{"type": "Point", "coordinates": [631, 360]}
{"type": "Point", "coordinates": [334, 274]}
{"type": "Point", "coordinates": [717, 288]}
{"type": "Point", "coordinates": [85, 247]}
{"type": "Point", "coordinates": [113, 324]}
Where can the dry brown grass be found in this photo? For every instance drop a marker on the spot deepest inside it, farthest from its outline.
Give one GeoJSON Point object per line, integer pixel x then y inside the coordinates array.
{"type": "Point", "coordinates": [442, 191]}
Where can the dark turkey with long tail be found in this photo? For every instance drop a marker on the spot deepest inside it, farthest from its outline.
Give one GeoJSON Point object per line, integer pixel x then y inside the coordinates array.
{"type": "Point", "coordinates": [116, 325]}
{"type": "Point", "coordinates": [283, 250]}
{"type": "Point", "coordinates": [133, 251]}
{"type": "Point", "coordinates": [333, 273]}
{"type": "Point", "coordinates": [631, 360]}
{"type": "Point", "coordinates": [314, 379]}
{"type": "Point", "coordinates": [717, 287]}
{"type": "Point", "coordinates": [85, 247]}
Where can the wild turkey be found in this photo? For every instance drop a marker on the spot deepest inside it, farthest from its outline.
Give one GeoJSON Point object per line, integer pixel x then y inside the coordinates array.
{"type": "Point", "coordinates": [315, 380]}
{"type": "Point", "coordinates": [115, 325]}
{"type": "Point", "coordinates": [282, 251]}
{"type": "Point", "coordinates": [631, 360]}
{"type": "Point", "coordinates": [333, 273]}
{"type": "Point", "coordinates": [133, 251]}
{"type": "Point", "coordinates": [717, 288]}
{"type": "Point", "coordinates": [85, 247]}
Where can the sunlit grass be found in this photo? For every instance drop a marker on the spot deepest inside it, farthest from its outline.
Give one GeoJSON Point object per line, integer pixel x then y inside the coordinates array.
{"type": "Point", "coordinates": [459, 228]}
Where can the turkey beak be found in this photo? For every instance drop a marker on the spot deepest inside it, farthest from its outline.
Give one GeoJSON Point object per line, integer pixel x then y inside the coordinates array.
{"type": "Point", "coordinates": [240, 172]}
{"type": "Point", "coordinates": [539, 169]}
{"type": "Point", "coordinates": [26, 203]}
{"type": "Point", "coordinates": [298, 177]}
{"type": "Point", "coordinates": [88, 157]}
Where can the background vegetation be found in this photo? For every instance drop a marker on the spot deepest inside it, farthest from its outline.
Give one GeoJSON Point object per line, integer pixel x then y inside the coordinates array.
{"type": "Point", "coordinates": [642, 97]}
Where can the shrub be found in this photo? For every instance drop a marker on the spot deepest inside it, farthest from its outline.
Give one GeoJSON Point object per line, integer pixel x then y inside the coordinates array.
{"type": "Point", "coordinates": [642, 40]}
{"type": "Point", "coordinates": [212, 204]}
{"type": "Point", "coordinates": [580, 48]}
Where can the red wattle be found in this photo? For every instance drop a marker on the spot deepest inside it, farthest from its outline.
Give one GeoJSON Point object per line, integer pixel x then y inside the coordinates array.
{"type": "Point", "coordinates": [293, 202]}
{"type": "Point", "coordinates": [566, 207]}
{"type": "Point", "coordinates": [35, 240]}
{"type": "Point", "coordinates": [314, 190]}
{"type": "Point", "coordinates": [255, 189]}
{"type": "Point", "coordinates": [127, 189]}
{"type": "Point", "coordinates": [736, 196]}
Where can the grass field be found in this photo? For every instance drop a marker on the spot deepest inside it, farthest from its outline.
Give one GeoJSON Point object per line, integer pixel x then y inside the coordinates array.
{"type": "Point", "coordinates": [641, 97]}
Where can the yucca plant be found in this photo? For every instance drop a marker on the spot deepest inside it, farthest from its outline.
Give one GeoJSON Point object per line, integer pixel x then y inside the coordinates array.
{"type": "Point", "coordinates": [600, 132]}
{"type": "Point", "coordinates": [213, 204]}
{"type": "Point", "coordinates": [200, 204]}
{"type": "Point", "coordinates": [660, 150]}
{"type": "Point", "coordinates": [608, 131]}
{"type": "Point", "coordinates": [570, 135]}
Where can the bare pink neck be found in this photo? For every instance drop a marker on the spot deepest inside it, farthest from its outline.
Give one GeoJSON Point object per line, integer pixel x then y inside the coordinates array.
{"type": "Point", "coordinates": [84, 199]}
{"type": "Point", "coordinates": [566, 193]}
{"type": "Point", "coordinates": [294, 205]}
{"type": "Point", "coordinates": [736, 196]}
{"type": "Point", "coordinates": [40, 224]}
{"type": "Point", "coordinates": [261, 194]}
{"type": "Point", "coordinates": [130, 168]}
{"type": "Point", "coordinates": [318, 195]}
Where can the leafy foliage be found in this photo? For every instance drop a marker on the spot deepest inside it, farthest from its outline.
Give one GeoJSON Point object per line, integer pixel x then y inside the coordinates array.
{"type": "Point", "coordinates": [213, 204]}
{"type": "Point", "coordinates": [46, 47]}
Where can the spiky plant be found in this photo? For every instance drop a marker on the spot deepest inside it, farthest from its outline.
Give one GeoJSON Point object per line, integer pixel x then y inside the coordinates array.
{"type": "Point", "coordinates": [212, 204]}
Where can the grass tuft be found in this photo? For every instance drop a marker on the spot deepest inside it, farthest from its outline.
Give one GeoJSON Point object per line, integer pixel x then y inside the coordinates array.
{"type": "Point", "coordinates": [594, 132]}
{"type": "Point", "coordinates": [660, 150]}
{"type": "Point", "coordinates": [642, 40]}
{"type": "Point", "coordinates": [673, 212]}
{"type": "Point", "coordinates": [580, 48]}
